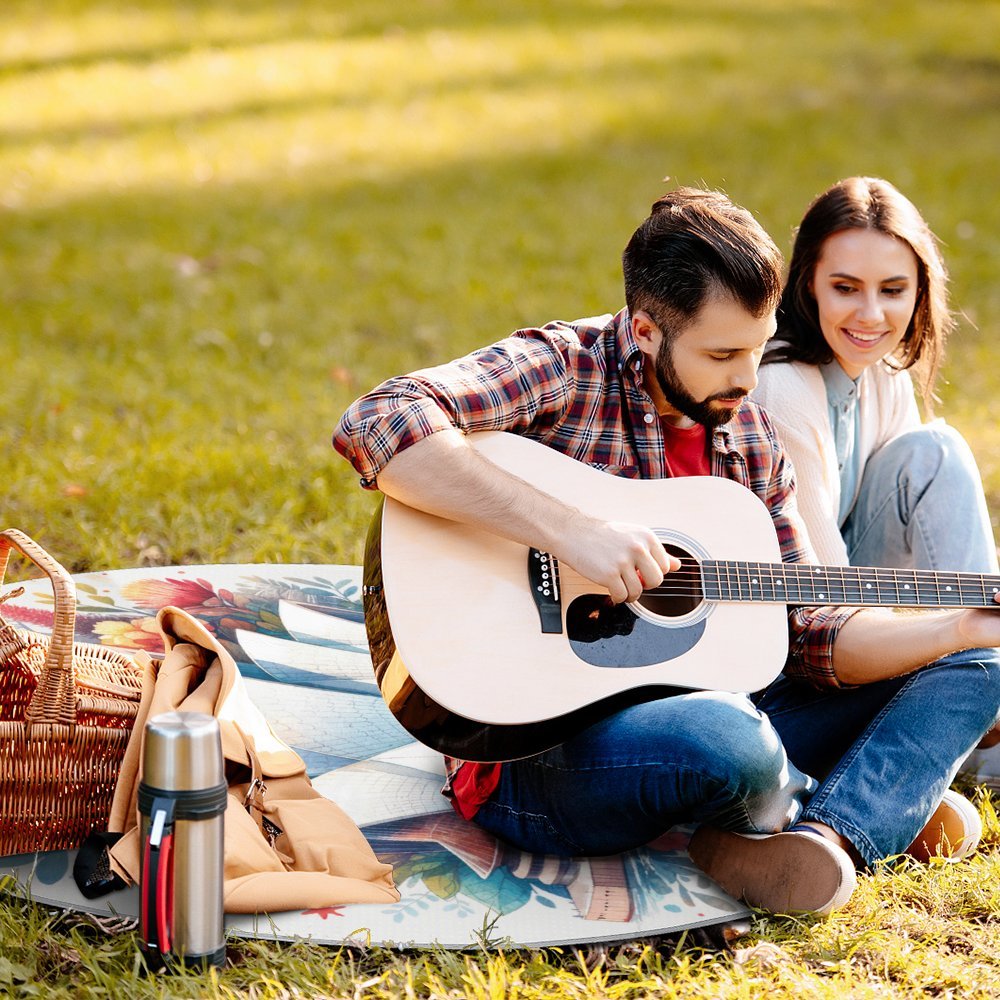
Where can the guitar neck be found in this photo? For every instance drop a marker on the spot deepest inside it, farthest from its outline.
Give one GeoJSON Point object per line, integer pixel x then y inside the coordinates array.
{"type": "Point", "coordinates": [801, 583]}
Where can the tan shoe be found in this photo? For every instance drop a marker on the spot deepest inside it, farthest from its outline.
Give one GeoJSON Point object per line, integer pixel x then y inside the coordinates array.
{"type": "Point", "coordinates": [953, 832]}
{"type": "Point", "coordinates": [789, 872]}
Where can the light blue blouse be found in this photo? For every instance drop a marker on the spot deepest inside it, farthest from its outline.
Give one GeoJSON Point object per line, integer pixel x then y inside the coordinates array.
{"type": "Point", "coordinates": [842, 402]}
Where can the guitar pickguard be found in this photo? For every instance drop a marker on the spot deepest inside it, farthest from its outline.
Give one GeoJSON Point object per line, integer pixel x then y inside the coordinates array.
{"type": "Point", "coordinates": [612, 635]}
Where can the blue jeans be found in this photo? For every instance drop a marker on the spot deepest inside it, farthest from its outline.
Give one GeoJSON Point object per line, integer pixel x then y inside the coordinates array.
{"type": "Point", "coordinates": [706, 757]}
{"type": "Point", "coordinates": [921, 506]}
{"type": "Point", "coordinates": [885, 753]}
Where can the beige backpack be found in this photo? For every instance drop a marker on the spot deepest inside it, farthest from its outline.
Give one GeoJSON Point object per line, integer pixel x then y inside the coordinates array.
{"type": "Point", "coordinates": [286, 846]}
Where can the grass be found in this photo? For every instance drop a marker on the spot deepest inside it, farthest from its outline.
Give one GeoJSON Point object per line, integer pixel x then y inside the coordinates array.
{"type": "Point", "coordinates": [221, 221]}
{"type": "Point", "coordinates": [912, 931]}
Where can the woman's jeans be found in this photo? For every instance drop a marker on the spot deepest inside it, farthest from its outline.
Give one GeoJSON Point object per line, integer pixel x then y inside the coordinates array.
{"type": "Point", "coordinates": [921, 506]}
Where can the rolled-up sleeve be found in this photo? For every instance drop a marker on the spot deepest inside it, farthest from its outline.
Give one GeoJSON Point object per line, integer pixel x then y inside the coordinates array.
{"type": "Point", "coordinates": [515, 384]}
{"type": "Point", "coordinates": [382, 423]}
{"type": "Point", "coordinates": [812, 632]}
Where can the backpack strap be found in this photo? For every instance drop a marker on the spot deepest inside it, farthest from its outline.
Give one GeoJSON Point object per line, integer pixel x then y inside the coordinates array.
{"type": "Point", "coordinates": [253, 801]}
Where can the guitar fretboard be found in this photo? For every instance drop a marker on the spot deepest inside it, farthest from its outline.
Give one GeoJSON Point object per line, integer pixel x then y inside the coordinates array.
{"type": "Point", "coordinates": [800, 583]}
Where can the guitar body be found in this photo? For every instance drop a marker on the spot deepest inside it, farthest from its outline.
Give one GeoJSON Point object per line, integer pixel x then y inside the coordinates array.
{"type": "Point", "coordinates": [456, 630]}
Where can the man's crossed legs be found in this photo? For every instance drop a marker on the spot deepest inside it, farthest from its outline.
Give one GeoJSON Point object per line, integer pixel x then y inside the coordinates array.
{"type": "Point", "coordinates": [884, 754]}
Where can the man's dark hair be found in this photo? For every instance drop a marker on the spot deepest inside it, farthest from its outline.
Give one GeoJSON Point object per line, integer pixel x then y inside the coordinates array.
{"type": "Point", "coordinates": [694, 244]}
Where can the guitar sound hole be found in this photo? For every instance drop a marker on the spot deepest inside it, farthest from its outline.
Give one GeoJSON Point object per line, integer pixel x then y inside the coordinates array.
{"type": "Point", "coordinates": [680, 593]}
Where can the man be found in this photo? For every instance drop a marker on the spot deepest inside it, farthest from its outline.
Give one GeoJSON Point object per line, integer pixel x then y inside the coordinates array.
{"type": "Point", "coordinates": [660, 390]}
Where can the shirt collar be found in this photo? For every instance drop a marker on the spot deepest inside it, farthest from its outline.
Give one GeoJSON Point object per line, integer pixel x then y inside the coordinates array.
{"type": "Point", "coordinates": [722, 440]}
{"type": "Point", "coordinates": [632, 360]}
{"type": "Point", "coordinates": [840, 387]}
{"type": "Point", "coordinates": [630, 357]}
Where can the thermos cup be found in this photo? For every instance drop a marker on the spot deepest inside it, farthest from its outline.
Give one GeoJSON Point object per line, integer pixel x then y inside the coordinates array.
{"type": "Point", "coordinates": [182, 801]}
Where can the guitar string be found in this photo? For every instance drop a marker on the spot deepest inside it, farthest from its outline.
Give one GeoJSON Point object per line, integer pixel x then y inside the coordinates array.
{"type": "Point", "coordinates": [809, 571]}
{"type": "Point", "coordinates": [688, 581]}
{"type": "Point", "coordinates": [809, 582]}
{"type": "Point", "coordinates": [834, 599]}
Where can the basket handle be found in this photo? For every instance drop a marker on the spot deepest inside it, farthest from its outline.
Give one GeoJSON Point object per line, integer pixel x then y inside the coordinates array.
{"type": "Point", "coordinates": [54, 700]}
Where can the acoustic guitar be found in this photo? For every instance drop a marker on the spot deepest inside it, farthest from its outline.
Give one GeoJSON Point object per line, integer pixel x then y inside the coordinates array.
{"type": "Point", "coordinates": [488, 650]}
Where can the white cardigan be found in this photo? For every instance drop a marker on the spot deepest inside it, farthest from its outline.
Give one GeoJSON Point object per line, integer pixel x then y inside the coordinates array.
{"type": "Point", "coordinates": [794, 395]}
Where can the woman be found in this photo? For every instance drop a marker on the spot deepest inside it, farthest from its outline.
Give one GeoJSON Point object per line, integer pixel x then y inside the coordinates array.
{"type": "Point", "coordinates": [865, 304]}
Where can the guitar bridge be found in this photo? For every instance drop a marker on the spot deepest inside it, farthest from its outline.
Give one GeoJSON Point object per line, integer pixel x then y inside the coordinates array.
{"type": "Point", "coordinates": [543, 577]}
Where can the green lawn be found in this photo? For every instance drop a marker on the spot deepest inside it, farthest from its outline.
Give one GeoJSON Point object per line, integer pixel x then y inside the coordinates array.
{"type": "Point", "coordinates": [221, 221]}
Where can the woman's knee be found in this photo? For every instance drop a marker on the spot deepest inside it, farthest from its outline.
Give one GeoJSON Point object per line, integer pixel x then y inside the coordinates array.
{"type": "Point", "coordinates": [927, 452]}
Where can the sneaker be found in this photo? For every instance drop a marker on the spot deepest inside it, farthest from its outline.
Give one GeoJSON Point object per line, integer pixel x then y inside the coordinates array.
{"type": "Point", "coordinates": [789, 872]}
{"type": "Point", "coordinates": [953, 831]}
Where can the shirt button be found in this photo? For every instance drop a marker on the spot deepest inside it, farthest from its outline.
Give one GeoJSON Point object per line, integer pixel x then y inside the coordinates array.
{"type": "Point", "coordinates": [648, 418]}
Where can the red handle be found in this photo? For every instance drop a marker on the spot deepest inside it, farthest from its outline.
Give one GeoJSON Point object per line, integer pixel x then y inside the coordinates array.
{"type": "Point", "coordinates": [165, 893]}
{"type": "Point", "coordinates": [156, 908]}
{"type": "Point", "coordinates": [148, 900]}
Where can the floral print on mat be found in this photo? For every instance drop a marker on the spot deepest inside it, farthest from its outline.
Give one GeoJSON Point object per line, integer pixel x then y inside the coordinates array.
{"type": "Point", "coordinates": [124, 616]}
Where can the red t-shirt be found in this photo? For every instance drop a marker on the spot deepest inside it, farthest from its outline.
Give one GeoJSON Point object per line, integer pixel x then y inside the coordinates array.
{"type": "Point", "coordinates": [686, 455]}
{"type": "Point", "coordinates": [686, 450]}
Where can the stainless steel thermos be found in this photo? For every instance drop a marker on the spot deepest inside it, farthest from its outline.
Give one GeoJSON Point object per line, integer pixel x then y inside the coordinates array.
{"type": "Point", "coordinates": [182, 801]}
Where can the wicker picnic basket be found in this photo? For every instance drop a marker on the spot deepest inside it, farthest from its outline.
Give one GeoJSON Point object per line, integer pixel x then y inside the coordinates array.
{"type": "Point", "coordinates": [66, 712]}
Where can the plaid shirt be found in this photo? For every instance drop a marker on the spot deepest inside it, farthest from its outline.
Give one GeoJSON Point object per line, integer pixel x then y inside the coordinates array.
{"type": "Point", "coordinates": [577, 387]}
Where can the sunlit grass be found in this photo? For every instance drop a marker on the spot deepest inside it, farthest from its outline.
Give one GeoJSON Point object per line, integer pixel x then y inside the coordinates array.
{"type": "Point", "coordinates": [221, 221]}
{"type": "Point", "coordinates": [356, 106]}
{"type": "Point", "coordinates": [911, 932]}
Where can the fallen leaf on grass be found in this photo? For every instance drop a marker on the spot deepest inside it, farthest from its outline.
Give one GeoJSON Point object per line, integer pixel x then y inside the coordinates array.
{"type": "Point", "coordinates": [765, 954]}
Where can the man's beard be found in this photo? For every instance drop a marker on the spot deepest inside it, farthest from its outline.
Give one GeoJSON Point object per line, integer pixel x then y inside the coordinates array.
{"type": "Point", "coordinates": [680, 399]}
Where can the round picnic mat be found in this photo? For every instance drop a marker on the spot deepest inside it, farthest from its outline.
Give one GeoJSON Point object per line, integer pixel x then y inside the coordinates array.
{"type": "Point", "coordinates": [297, 633]}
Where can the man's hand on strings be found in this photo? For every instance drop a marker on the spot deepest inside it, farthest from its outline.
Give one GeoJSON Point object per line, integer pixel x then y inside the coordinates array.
{"type": "Point", "coordinates": [624, 558]}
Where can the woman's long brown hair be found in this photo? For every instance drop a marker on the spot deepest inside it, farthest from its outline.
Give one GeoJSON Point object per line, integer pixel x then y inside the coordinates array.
{"type": "Point", "coordinates": [866, 203]}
